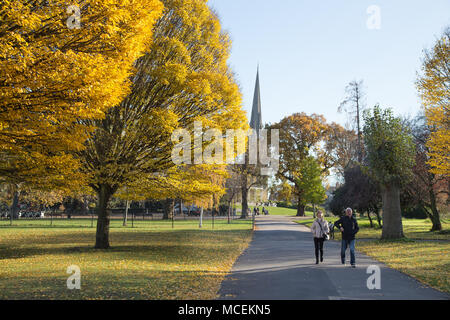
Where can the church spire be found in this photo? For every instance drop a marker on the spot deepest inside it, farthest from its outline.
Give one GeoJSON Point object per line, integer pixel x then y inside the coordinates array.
{"type": "Point", "coordinates": [256, 119]}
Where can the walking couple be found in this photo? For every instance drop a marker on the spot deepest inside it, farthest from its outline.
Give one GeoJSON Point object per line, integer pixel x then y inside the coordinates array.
{"type": "Point", "coordinates": [349, 228]}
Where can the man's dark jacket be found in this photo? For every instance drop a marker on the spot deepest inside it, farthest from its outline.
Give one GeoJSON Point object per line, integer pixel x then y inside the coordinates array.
{"type": "Point", "coordinates": [350, 226]}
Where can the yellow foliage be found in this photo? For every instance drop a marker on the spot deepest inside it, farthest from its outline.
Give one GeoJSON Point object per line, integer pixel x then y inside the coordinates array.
{"type": "Point", "coordinates": [52, 76]}
{"type": "Point", "coordinates": [434, 88]}
{"type": "Point", "coordinates": [197, 184]}
{"type": "Point", "coordinates": [184, 78]}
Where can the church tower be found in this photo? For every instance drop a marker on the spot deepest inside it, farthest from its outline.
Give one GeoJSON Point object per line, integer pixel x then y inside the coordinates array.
{"type": "Point", "coordinates": [256, 119]}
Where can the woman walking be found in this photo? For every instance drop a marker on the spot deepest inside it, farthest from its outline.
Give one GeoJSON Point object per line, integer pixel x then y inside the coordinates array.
{"type": "Point", "coordinates": [319, 230]}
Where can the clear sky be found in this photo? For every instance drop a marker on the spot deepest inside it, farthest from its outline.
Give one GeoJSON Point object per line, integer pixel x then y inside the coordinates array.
{"type": "Point", "coordinates": [309, 51]}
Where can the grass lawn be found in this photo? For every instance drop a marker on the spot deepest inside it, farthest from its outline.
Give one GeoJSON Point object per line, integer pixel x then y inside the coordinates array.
{"type": "Point", "coordinates": [278, 211]}
{"type": "Point", "coordinates": [152, 261]}
{"type": "Point", "coordinates": [427, 261]}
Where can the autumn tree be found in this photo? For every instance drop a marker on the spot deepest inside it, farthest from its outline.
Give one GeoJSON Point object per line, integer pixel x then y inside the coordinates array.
{"type": "Point", "coordinates": [302, 136]}
{"type": "Point", "coordinates": [427, 189]}
{"type": "Point", "coordinates": [434, 88]}
{"type": "Point", "coordinates": [183, 79]}
{"type": "Point", "coordinates": [354, 106]}
{"type": "Point", "coordinates": [195, 184]}
{"type": "Point", "coordinates": [281, 191]}
{"type": "Point", "coordinates": [60, 64]}
{"type": "Point", "coordinates": [390, 158]}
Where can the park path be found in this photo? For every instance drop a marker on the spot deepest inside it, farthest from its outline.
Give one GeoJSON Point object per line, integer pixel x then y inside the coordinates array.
{"type": "Point", "coordinates": [279, 264]}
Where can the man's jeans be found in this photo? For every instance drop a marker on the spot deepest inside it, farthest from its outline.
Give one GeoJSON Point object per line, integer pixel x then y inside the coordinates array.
{"type": "Point", "coordinates": [344, 245]}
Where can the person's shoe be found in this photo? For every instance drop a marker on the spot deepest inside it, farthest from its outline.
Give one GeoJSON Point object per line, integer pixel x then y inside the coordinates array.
{"type": "Point", "coordinates": [353, 266]}
{"type": "Point", "coordinates": [321, 259]}
{"type": "Point", "coordinates": [317, 261]}
{"type": "Point", "coordinates": [343, 261]}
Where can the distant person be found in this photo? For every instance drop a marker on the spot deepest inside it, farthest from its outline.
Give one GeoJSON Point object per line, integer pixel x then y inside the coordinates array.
{"type": "Point", "coordinates": [319, 230]}
{"type": "Point", "coordinates": [349, 228]}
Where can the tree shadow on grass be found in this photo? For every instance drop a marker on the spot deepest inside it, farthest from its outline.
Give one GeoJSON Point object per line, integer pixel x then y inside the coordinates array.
{"type": "Point", "coordinates": [128, 245]}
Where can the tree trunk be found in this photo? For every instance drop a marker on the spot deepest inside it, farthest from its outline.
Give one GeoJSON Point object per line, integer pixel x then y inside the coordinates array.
{"type": "Point", "coordinates": [200, 223]}
{"type": "Point", "coordinates": [377, 212]}
{"type": "Point", "coordinates": [370, 219]}
{"type": "Point", "coordinates": [168, 209]}
{"type": "Point", "coordinates": [244, 189]}
{"type": "Point", "coordinates": [125, 217]}
{"type": "Point", "coordinates": [14, 210]}
{"type": "Point", "coordinates": [392, 214]}
{"type": "Point", "coordinates": [435, 218]}
{"type": "Point", "coordinates": [102, 237]}
{"type": "Point", "coordinates": [85, 205]}
{"type": "Point", "coordinates": [300, 207]}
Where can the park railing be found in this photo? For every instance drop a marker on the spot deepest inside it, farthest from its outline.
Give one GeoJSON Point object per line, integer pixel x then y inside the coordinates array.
{"type": "Point", "coordinates": [135, 218]}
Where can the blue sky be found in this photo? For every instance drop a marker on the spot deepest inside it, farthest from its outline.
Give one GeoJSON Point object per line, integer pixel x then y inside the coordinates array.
{"type": "Point", "coordinates": [309, 51]}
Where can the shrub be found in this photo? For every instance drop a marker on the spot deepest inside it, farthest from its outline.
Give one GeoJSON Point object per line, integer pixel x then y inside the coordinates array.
{"type": "Point", "coordinates": [414, 213]}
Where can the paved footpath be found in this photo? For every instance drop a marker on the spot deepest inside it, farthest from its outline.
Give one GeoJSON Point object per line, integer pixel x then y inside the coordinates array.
{"type": "Point", "coordinates": [279, 264]}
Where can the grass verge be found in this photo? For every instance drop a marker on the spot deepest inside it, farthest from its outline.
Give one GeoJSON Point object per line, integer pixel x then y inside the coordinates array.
{"type": "Point", "coordinates": [151, 262]}
{"type": "Point", "coordinates": [428, 262]}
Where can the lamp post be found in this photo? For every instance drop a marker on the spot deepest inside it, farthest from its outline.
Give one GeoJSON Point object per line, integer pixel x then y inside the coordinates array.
{"type": "Point", "coordinates": [125, 218]}
{"type": "Point", "coordinates": [173, 217]}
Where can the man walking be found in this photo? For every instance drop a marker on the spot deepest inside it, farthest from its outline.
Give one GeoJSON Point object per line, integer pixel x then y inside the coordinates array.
{"type": "Point", "coordinates": [349, 228]}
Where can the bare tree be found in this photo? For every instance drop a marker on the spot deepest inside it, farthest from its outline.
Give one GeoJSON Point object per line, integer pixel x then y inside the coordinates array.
{"type": "Point", "coordinates": [354, 106]}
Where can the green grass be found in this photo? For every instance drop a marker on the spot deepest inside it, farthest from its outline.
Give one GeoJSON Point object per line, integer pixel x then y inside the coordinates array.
{"type": "Point", "coordinates": [151, 261]}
